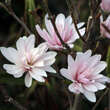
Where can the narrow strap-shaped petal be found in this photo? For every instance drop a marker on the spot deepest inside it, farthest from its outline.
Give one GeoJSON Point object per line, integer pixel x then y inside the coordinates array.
{"type": "Point", "coordinates": [28, 80]}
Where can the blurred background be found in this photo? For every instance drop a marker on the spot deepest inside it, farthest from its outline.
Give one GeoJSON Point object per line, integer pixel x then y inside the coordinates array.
{"type": "Point", "coordinates": [53, 94]}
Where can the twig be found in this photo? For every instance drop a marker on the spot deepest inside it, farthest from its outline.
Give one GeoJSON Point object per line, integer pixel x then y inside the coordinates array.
{"type": "Point", "coordinates": [109, 99]}
{"type": "Point", "coordinates": [89, 24]}
{"type": "Point", "coordinates": [10, 99]}
{"type": "Point", "coordinates": [74, 20]}
{"type": "Point", "coordinates": [100, 99]}
{"type": "Point", "coordinates": [77, 96]}
{"type": "Point", "coordinates": [14, 102]}
{"type": "Point", "coordinates": [105, 27]}
{"type": "Point", "coordinates": [10, 11]}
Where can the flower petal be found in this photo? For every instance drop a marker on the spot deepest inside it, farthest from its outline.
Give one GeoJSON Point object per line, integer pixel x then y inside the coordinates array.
{"type": "Point", "coordinates": [13, 69]}
{"type": "Point", "coordinates": [38, 72]}
{"type": "Point", "coordinates": [28, 80]}
{"type": "Point", "coordinates": [18, 75]}
{"type": "Point", "coordinates": [30, 41]}
{"type": "Point", "coordinates": [100, 86]}
{"type": "Point", "coordinates": [10, 54]}
{"type": "Point", "coordinates": [37, 77]}
{"type": "Point", "coordinates": [70, 60]}
{"type": "Point", "coordinates": [64, 72]}
{"type": "Point", "coordinates": [76, 88]}
{"type": "Point", "coordinates": [99, 67]}
{"type": "Point", "coordinates": [60, 23]}
{"type": "Point", "coordinates": [49, 69]}
{"type": "Point", "coordinates": [90, 87]}
{"type": "Point", "coordinates": [90, 96]}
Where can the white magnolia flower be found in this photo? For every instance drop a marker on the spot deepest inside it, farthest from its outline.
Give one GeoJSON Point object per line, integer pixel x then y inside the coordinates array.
{"type": "Point", "coordinates": [65, 28]}
{"type": "Point", "coordinates": [33, 62]}
{"type": "Point", "coordinates": [84, 72]}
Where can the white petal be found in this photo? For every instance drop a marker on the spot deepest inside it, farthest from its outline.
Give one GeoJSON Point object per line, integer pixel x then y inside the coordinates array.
{"type": "Point", "coordinates": [70, 60]}
{"type": "Point", "coordinates": [37, 77]}
{"type": "Point", "coordinates": [60, 22]}
{"type": "Point", "coordinates": [40, 72]}
{"type": "Point", "coordinates": [49, 55]}
{"type": "Point", "coordinates": [10, 53]}
{"type": "Point", "coordinates": [83, 56]}
{"type": "Point", "coordinates": [64, 72]}
{"type": "Point", "coordinates": [25, 44]}
{"type": "Point", "coordinates": [28, 80]}
{"type": "Point", "coordinates": [68, 20]}
{"type": "Point", "coordinates": [49, 69]}
{"type": "Point", "coordinates": [76, 88]}
{"type": "Point", "coordinates": [71, 45]}
{"type": "Point", "coordinates": [49, 26]}
{"type": "Point", "coordinates": [39, 63]}
{"type": "Point", "coordinates": [49, 62]}
{"type": "Point", "coordinates": [30, 41]}
{"type": "Point", "coordinates": [103, 79]}
{"type": "Point", "coordinates": [20, 44]}
{"type": "Point", "coordinates": [43, 33]}
{"type": "Point", "coordinates": [18, 75]}
{"type": "Point", "coordinates": [82, 31]}
{"type": "Point", "coordinates": [13, 69]}
{"type": "Point", "coordinates": [94, 60]}
{"type": "Point", "coordinates": [90, 87]}
{"type": "Point", "coordinates": [100, 86]}
{"type": "Point", "coordinates": [99, 67]}
{"type": "Point", "coordinates": [90, 96]}
{"type": "Point", "coordinates": [39, 51]}
{"type": "Point", "coordinates": [79, 25]}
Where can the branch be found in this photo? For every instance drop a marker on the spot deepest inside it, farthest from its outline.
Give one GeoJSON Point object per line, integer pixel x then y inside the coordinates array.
{"type": "Point", "coordinates": [10, 99]}
{"type": "Point", "coordinates": [100, 99]}
{"type": "Point", "coordinates": [56, 30]}
{"type": "Point", "coordinates": [10, 11]}
{"type": "Point", "coordinates": [74, 20]}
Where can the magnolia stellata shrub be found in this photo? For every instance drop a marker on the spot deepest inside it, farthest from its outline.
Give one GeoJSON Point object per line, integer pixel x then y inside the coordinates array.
{"type": "Point", "coordinates": [34, 62]}
{"type": "Point", "coordinates": [28, 60]}
{"type": "Point", "coordinates": [65, 28]}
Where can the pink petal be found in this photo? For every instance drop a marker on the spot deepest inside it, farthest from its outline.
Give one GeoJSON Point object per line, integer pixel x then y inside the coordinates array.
{"type": "Point", "coordinates": [64, 72]}
{"type": "Point", "coordinates": [75, 88]}
{"type": "Point", "coordinates": [60, 23]}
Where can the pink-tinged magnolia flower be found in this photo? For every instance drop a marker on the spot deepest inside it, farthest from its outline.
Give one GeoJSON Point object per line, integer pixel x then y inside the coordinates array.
{"type": "Point", "coordinates": [65, 28]}
{"type": "Point", "coordinates": [103, 31]}
{"type": "Point", "coordinates": [84, 74]}
{"type": "Point", "coordinates": [33, 62]}
{"type": "Point", "coordinates": [105, 5]}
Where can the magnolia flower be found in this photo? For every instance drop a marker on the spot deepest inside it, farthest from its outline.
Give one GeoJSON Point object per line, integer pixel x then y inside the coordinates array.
{"type": "Point", "coordinates": [103, 31]}
{"type": "Point", "coordinates": [65, 28]}
{"type": "Point", "coordinates": [105, 5]}
{"type": "Point", "coordinates": [84, 74]}
{"type": "Point", "coordinates": [33, 62]}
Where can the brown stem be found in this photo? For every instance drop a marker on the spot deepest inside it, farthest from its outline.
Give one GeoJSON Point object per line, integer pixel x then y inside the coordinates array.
{"type": "Point", "coordinates": [54, 25]}
{"type": "Point", "coordinates": [100, 99]}
{"type": "Point", "coordinates": [10, 11]}
{"type": "Point", "coordinates": [74, 20]}
{"type": "Point", "coordinates": [10, 99]}
{"type": "Point", "coordinates": [77, 96]}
